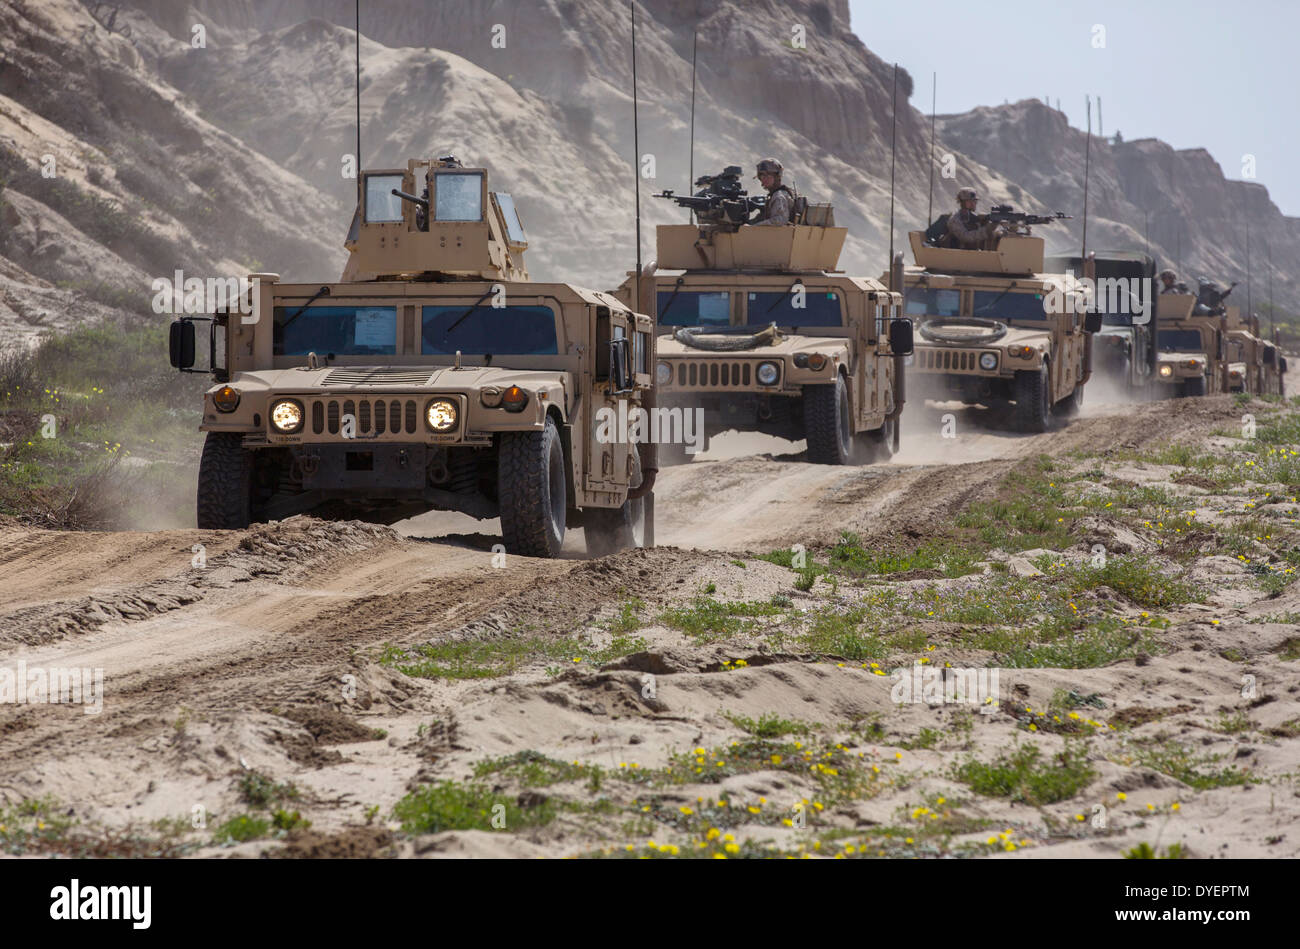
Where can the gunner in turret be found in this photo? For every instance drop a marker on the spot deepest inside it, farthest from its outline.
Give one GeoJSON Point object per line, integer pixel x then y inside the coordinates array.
{"type": "Point", "coordinates": [965, 228]}
{"type": "Point", "coordinates": [780, 199]}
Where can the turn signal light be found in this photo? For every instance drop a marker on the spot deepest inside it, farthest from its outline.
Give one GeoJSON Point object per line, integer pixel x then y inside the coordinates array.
{"type": "Point", "coordinates": [514, 399]}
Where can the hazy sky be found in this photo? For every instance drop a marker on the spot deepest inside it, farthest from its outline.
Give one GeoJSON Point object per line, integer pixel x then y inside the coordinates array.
{"type": "Point", "coordinates": [1224, 76]}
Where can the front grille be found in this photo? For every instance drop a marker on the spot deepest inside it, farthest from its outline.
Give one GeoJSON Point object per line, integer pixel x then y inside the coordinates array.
{"type": "Point", "coordinates": [395, 417]}
{"type": "Point", "coordinates": [948, 360]}
{"type": "Point", "coordinates": [714, 374]}
{"type": "Point", "coordinates": [377, 376]}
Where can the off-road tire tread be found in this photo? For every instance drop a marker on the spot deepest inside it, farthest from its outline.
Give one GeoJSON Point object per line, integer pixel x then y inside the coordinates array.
{"type": "Point", "coordinates": [522, 478]}
{"type": "Point", "coordinates": [1030, 396]}
{"type": "Point", "coordinates": [820, 407]}
{"type": "Point", "coordinates": [225, 483]}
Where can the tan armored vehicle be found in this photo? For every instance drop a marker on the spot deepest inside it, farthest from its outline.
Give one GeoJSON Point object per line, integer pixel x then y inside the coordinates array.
{"type": "Point", "coordinates": [435, 375]}
{"type": "Point", "coordinates": [760, 332]}
{"type": "Point", "coordinates": [994, 328]}
{"type": "Point", "coordinates": [1190, 343]}
{"type": "Point", "coordinates": [1244, 353]}
{"type": "Point", "coordinates": [1274, 368]}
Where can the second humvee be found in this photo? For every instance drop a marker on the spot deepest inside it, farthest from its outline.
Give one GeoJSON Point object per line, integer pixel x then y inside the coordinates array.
{"type": "Point", "coordinates": [1190, 343]}
{"type": "Point", "coordinates": [995, 328]}
{"type": "Point", "coordinates": [434, 375]}
{"type": "Point", "coordinates": [760, 332]}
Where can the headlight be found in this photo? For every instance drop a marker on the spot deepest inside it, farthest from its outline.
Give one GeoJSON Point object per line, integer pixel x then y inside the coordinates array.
{"type": "Point", "coordinates": [663, 374]}
{"type": "Point", "coordinates": [1166, 370]}
{"type": "Point", "coordinates": [286, 416]}
{"type": "Point", "coordinates": [226, 399]}
{"type": "Point", "coordinates": [988, 361]}
{"type": "Point", "coordinates": [441, 415]}
{"type": "Point", "coordinates": [767, 373]}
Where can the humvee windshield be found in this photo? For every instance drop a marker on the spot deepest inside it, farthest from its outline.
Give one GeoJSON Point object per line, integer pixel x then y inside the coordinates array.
{"type": "Point", "coordinates": [341, 330]}
{"type": "Point", "coordinates": [1009, 306]}
{"type": "Point", "coordinates": [925, 302]}
{"type": "Point", "coordinates": [517, 330]}
{"type": "Point", "coordinates": [694, 308]}
{"type": "Point", "coordinates": [1187, 341]}
{"type": "Point", "coordinates": [820, 308]}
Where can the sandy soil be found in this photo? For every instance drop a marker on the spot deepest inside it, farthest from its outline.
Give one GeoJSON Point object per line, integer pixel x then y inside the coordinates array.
{"type": "Point", "coordinates": [267, 659]}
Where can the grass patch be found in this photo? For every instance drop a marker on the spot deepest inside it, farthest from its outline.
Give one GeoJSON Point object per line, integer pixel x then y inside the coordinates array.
{"type": "Point", "coordinates": [241, 828]}
{"type": "Point", "coordinates": [1023, 775]}
{"type": "Point", "coordinates": [1177, 760]}
{"type": "Point", "coordinates": [708, 619]}
{"type": "Point", "coordinates": [769, 725]}
{"type": "Point", "coordinates": [449, 805]}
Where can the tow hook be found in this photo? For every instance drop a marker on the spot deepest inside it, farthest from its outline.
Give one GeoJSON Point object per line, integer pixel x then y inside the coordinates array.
{"type": "Point", "coordinates": [402, 459]}
{"type": "Point", "coordinates": [309, 464]}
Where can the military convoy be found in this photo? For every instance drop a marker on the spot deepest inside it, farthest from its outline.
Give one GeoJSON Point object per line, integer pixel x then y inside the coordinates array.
{"type": "Point", "coordinates": [434, 375]}
{"type": "Point", "coordinates": [996, 329]}
{"type": "Point", "coordinates": [760, 332]}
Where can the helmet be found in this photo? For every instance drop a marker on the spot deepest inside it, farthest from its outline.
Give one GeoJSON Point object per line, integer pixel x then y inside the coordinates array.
{"type": "Point", "coordinates": [967, 194]}
{"type": "Point", "coordinates": [1168, 273]}
{"type": "Point", "coordinates": [769, 165]}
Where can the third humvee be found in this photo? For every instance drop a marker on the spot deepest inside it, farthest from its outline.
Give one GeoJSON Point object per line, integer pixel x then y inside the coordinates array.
{"type": "Point", "coordinates": [433, 375]}
{"type": "Point", "coordinates": [761, 332]}
{"type": "Point", "coordinates": [995, 328]}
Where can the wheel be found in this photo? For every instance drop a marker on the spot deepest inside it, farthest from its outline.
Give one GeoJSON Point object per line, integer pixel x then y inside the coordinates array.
{"type": "Point", "coordinates": [532, 489]}
{"type": "Point", "coordinates": [611, 529]}
{"type": "Point", "coordinates": [225, 483]}
{"type": "Point", "coordinates": [1033, 400]}
{"type": "Point", "coordinates": [827, 425]}
{"type": "Point", "coordinates": [1194, 387]}
{"type": "Point", "coordinates": [878, 443]}
{"type": "Point", "coordinates": [1071, 404]}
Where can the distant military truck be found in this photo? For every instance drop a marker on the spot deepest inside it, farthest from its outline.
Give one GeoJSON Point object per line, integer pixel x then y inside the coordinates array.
{"type": "Point", "coordinates": [995, 328]}
{"type": "Point", "coordinates": [434, 375]}
{"type": "Point", "coordinates": [1274, 368]}
{"type": "Point", "coordinates": [1190, 347]}
{"type": "Point", "coordinates": [761, 331]}
{"type": "Point", "coordinates": [1124, 287]}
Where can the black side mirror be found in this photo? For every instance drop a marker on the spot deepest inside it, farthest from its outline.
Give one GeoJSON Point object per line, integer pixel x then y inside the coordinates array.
{"type": "Point", "coordinates": [900, 337]}
{"type": "Point", "coordinates": [181, 344]}
{"type": "Point", "coordinates": [620, 379]}
{"type": "Point", "coordinates": [1092, 322]}
{"type": "Point", "coordinates": [1268, 357]}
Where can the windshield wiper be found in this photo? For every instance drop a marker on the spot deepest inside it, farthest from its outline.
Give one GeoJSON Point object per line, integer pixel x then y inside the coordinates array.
{"type": "Point", "coordinates": [777, 301]}
{"type": "Point", "coordinates": [322, 292]}
{"type": "Point", "coordinates": [671, 297]}
{"type": "Point", "coordinates": [994, 301]}
{"type": "Point", "coordinates": [461, 319]}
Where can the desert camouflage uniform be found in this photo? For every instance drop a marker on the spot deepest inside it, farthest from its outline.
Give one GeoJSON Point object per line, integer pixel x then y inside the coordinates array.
{"type": "Point", "coordinates": [779, 207]}
{"type": "Point", "coordinates": [966, 232]}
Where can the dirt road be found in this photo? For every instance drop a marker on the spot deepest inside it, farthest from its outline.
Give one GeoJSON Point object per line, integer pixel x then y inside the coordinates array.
{"type": "Point", "coordinates": [226, 654]}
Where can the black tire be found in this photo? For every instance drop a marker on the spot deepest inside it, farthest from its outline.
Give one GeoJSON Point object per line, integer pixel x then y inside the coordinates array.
{"type": "Point", "coordinates": [1033, 400]}
{"type": "Point", "coordinates": [878, 443]}
{"type": "Point", "coordinates": [611, 529]}
{"type": "Point", "coordinates": [827, 424]}
{"type": "Point", "coordinates": [1072, 403]}
{"type": "Point", "coordinates": [532, 489]}
{"type": "Point", "coordinates": [1194, 387]}
{"type": "Point", "coordinates": [225, 483]}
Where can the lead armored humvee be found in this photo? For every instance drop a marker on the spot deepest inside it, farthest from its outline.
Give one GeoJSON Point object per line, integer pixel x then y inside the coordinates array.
{"type": "Point", "coordinates": [434, 375]}
{"type": "Point", "coordinates": [995, 328]}
{"type": "Point", "coordinates": [761, 333]}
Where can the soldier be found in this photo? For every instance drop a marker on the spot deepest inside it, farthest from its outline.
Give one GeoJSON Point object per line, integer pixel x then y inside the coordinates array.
{"type": "Point", "coordinates": [966, 230]}
{"type": "Point", "coordinates": [780, 199]}
{"type": "Point", "coordinates": [1169, 279]}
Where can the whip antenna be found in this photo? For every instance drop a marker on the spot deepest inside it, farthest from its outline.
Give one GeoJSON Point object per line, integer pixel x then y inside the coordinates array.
{"type": "Point", "coordinates": [695, 38]}
{"type": "Point", "coordinates": [934, 100]}
{"type": "Point", "coordinates": [358, 101]}
{"type": "Point", "coordinates": [1087, 158]}
{"type": "Point", "coordinates": [636, 155]}
{"type": "Point", "coordinates": [893, 151]}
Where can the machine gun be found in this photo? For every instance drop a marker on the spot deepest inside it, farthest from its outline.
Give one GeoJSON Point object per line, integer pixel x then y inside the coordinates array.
{"type": "Point", "coordinates": [720, 203]}
{"type": "Point", "coordinates": [1018, 221]}
{"type": "Point", "coordinates": [421, 207]}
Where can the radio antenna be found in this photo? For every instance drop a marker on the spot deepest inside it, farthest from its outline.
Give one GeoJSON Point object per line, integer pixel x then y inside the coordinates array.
{"type": "Point", "coordinates": [934, 100]}
{"type": "Point", "coordinates": [893, 152]}
{"type": "Point", "coordinates": [636, 155]}
{"type": "Point", "coordinates": [358, 169]}
{"type": "Point", "coordinates": [695, 38]}
{"type": "Point", "coordinates": [1087, 160]}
